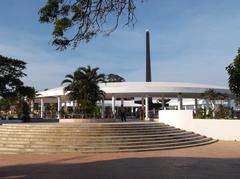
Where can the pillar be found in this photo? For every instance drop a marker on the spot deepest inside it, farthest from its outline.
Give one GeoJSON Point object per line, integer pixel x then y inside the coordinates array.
{"type": "Point", "coordinates": [180, 100]}
{"type": "Point", "coordinates": [74, 105]}
{"type": "Point", "coordinates": [113, 106]}
{"type": "Point", "coordinates": [65, 105]}
{"type": "Point", "coordinates": [196, 105]}
{"type": "Point", "coordinates": [58, 106]}
{"type": "Point", "coordinates": [103, 110]}
{"type": "Point", "coordinates": [146, 109]}
{"type": "Point", "coordinates": [143, 104]}
{"type": "Point", "coordinates": [141, 114]}
{"type": "Point", "coordinates": [122, 101]}
{"type": "Point", "coordinates": [32, 106]}
{"type": "Point", "coordinates": [229, 103]}
{"type": "Point", "coordinates": [207, 106]}
{"type": "Point", "coordinates": [41, 107]}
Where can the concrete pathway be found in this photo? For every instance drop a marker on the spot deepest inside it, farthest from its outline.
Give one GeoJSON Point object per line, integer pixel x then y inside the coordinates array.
{"type": "Point", "coordinates": [218, 160]}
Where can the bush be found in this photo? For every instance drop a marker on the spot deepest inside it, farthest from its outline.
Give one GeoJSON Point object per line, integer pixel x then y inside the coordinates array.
{"type": "Point", "coordinates": [222, 112]}
{"type": "Point", "coordinates": [203, 113]}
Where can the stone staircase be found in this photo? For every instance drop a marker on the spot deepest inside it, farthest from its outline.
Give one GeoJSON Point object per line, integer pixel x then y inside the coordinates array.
{"type": "Point", "coordinates": [95, 137]}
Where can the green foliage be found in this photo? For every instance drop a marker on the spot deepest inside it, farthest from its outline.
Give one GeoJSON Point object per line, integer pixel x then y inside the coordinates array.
{"type": "Point", "coordinates": [61, 25]}
{"type": "Point", "coordinates": [222, 112]}
{"type": "Point", "coordinates": [25, 108]}
{"type": "Point", "coordinates": [114, 78]}
{"type": "Point", "coordinates": [11, 72]}
{"type": "Point", "coordinates": [213, 95]}
{"type": "Point", "coordinates": [78, 21]}
{"type": "Point", "coordinates": [70, 110]}
{"type": "Point", "coordinates": [12, 89]}
{"type": "Point", "coordinates": [26, 92]}
{"type": "Point", "coordinates": [97, 112]}
{"type": "Point", "coordinates": [83, 87]}
{"type": "Point", "coordinates": [4, 104]}
{"type": "Point", "coordinates": [202, 113]}
{"type": "Point", "coordinates": [233, 70]}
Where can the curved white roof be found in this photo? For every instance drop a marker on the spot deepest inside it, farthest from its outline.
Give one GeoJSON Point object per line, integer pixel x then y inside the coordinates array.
{"type": "Point", "coordinates": [153, 89]}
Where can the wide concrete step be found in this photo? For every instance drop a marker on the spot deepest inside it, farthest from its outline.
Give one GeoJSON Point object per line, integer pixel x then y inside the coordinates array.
{"type": "Point", "coordinates": [103, 148]}
{"type": "Point", "coordinates": [95, 137]}
{"type": "Point", "coordinates": [69, 137]}
{"type": "Point", "coordinates": [18, 151]}
{"type": "Point", "coordinates": [79, 129]}
{"type": "Point", "coordinates": [91, 134]}
{"type": "Point", "coordinates": [103, 141]}
{"type": "Point", "coordinates": [101, 145]}
{"type": "Point", "coordinates": [89, 125]}
{"type": "Point", "coordinates": [99, 138]}
{"type": "Point", "coordinates": [133, 132]}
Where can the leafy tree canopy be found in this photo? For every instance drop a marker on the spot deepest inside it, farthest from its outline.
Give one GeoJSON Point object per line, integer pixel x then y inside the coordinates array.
{"type": "Point", "coordinates": [27, 92]}
{"type": "Point", "coordinates": [86, 18]}
{"type": "Point", "coordinates": [233, 70]}
{"type": "Point", "coordinates": [210, 94]}
{"type": "Point", "coordinates": [11, 85]}
{"type": "Point", "coordinates": [114, 78]}
{"type": "Point", "coordinates": [11, 72]}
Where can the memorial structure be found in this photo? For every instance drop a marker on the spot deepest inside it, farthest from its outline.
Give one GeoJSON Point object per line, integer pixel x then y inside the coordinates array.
{"type": "Point", "coordinates": [147, 94]}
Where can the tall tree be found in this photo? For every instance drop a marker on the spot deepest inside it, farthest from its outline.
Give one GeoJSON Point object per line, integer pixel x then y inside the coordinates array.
{"type": "Point", "coordinates": [233, 70]}
{"type": "Point", "coordinates": [114, 78]}
{"type": "Point", "coordinates": [86, 18]}
{"type": "Point", "coordinates": [11, 72]}
{"type": "Point", "coordinates": [83, 87]}
{"type": "Point", "coordinates": [12, 89]}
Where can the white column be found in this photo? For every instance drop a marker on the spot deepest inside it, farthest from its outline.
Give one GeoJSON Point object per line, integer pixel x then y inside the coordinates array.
{"type": "Point", "coordinates": [196, 105]}
{"type": "Point", "coordinates": [122, 101]}
{"type": "Point", "coordinates": [58, 106]}
{"type": "Point", "coordinates": [74, 105]}
{"type": "Point", "coordinates": [142, 103]}
{"type": "Point", "coordinates": [146, 109]}
{"type": "Point", "coordinates": [229, 103]}
{"type": "Point", "coordinates": [41, 107]}
{"type": "Point", "coordinates": [113, 106]}
{"type": "Point", "coordinates": [207, 106]}
{"type": "Point", "coordinates": [103, 109]}
{"type": "Point", "coordinates": [32, 106]}
{"type": "Point", "coordinates": [65, 105]}
{"type": "Point", "coordinates": [141, 112]}
{"type": "Point", "coordinates": [180, 104]}
{"type": "Point", "coordinates": [163, 103]}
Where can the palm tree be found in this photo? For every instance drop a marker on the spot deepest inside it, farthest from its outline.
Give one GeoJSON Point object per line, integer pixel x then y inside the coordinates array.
{"type": "Point", "coordinates": [83, 88]}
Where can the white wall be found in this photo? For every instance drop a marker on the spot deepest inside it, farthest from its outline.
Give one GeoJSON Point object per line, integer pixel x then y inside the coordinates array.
{"type": "Point", "coordinates": [218, 129]}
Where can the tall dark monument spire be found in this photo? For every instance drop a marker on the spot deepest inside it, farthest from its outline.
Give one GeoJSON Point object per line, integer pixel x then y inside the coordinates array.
{"type": "Point", "coordinates": [148, 60]}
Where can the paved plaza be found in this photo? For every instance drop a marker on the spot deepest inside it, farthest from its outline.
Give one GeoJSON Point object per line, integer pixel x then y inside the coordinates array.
{"type": "Point", "coordinates": [218, 160]}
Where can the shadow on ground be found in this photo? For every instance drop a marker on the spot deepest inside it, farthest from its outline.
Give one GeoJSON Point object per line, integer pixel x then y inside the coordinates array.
{"type": "Point", "coordinates": [144, 168]}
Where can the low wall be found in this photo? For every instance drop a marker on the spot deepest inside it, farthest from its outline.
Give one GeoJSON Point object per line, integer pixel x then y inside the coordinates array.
{"type": "Point", "coordinates": [216, 128]}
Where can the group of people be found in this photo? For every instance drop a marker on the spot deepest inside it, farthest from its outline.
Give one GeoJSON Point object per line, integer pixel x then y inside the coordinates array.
{"type": "Point", "coordinates": [139, 114]}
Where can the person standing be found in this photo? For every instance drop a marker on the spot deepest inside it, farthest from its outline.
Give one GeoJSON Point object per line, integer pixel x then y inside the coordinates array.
{"type": "Point", "coordinates": [123, 114]}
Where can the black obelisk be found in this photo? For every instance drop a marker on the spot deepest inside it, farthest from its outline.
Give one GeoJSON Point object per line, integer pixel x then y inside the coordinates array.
{"type": "Point", "coordinates": [148, 60]}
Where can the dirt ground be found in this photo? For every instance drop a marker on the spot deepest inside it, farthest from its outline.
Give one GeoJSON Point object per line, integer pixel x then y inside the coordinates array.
{"type": "Point", "coordinates": [218, 160]}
